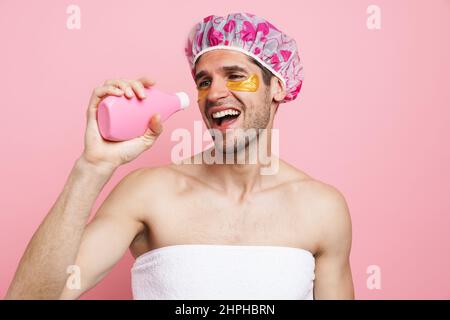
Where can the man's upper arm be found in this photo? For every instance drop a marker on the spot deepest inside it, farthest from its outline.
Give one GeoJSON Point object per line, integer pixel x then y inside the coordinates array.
{"type": "Point", "coordinates": [108, 236]}
{"type": "Point", "coordinates": [333, 274]}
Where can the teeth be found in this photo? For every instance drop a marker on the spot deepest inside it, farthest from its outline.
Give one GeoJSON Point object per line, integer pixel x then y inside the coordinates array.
{"type": "Point", "coordinates": [224, 113]}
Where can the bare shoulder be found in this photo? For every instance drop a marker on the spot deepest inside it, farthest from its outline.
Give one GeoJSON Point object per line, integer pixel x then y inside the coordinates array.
{"type": "Point", "coordinates": [139, 187]}
{"type": "Point", "coordinates": [324, 206]}
{"type": "Point", "coordinates": [320, 196]}
{"type": "Point", "coordinates": [133, 184]}
{"type": "Point", "coordinates": [168, 177]}
{"type": "Point", "coordinates": [156, 185]}
{"type": "Point", "coordinates": [156, 176]}
{"type": "Point", "coordinates": [324, 199]}
{"type": "Point", "coordinates": [331, 220]}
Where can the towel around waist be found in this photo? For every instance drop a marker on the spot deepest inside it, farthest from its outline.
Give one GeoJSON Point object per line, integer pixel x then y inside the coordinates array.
{"type": "Point", "coordinates": [204, 271]}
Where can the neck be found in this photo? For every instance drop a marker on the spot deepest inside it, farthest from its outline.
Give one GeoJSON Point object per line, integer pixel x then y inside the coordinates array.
{"type": "Point", "coordinates": [240, 178]}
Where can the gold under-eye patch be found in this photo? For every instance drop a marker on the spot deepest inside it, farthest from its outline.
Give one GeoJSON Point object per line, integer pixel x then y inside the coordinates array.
{"type": "Point", "coordinates": [202, 93]}
{"type": "Point", "coordinates": [251, 84]}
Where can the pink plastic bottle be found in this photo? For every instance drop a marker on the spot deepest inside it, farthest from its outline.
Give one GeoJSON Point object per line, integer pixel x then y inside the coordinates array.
{"type": "Point", "coordinates": [120, 118]}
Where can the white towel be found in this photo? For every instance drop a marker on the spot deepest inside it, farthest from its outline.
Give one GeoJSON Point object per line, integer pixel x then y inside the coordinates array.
{"type": "Point", "coordinates": [209, 271]}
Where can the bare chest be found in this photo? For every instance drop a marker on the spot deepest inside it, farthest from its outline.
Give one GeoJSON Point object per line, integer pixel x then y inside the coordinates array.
{"type": "Point", "coordinates": [196, 219]}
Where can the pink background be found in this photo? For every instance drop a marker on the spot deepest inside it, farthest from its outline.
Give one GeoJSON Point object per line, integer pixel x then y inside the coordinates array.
{"type": "Point", "coordinates": [372, 118]}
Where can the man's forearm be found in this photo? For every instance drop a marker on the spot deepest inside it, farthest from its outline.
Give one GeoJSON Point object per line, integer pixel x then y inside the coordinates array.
{"type": "Point", "coordinates": [41, 273]}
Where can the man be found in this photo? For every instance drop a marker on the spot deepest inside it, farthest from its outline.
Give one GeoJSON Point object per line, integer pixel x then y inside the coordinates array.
{"type": "Point", "coordinates": [244, 67]}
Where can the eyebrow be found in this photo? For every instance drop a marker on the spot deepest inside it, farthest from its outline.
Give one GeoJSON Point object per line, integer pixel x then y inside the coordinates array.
{"type": "Point", "coordinates": [224, 69]}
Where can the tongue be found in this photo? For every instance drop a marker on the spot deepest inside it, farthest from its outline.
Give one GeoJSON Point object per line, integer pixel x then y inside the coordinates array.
{"type": "Point", "coordinates": [227, 119]}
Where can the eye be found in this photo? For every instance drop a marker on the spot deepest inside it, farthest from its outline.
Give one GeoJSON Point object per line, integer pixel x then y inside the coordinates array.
{"type": "Point", "coordinates": [236, 76]}
{"type": "Point", "coordinates": [202, 84]}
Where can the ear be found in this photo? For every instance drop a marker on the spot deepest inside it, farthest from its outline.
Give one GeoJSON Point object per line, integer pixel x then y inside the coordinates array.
{"type": "Point", "coordinates": [278, 92]}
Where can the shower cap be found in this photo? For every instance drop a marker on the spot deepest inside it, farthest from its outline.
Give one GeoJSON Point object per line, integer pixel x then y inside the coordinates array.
{"type": "Point", "coordinates": [253, 36]}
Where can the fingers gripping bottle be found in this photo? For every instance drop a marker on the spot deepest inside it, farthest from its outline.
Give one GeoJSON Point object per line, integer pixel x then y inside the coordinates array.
{"type": "Point", "coordinates": [121, 118]}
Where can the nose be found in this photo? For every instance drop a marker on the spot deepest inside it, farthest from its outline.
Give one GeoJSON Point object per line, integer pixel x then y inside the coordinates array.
{"type": "Point", "coordinates": [217, 90]}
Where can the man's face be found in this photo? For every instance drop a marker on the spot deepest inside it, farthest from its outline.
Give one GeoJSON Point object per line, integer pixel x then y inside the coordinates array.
{"type": "Point", "coordinates": [219, 79]}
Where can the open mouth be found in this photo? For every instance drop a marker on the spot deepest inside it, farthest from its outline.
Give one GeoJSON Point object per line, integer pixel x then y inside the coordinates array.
{"type": "Point", "coordinates": [225, 118]}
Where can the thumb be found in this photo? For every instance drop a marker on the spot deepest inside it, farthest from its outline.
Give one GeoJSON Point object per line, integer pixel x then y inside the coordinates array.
{"type": "Point", "coordinates": [155, 125]}
{"type": "Point", "coordinates": [154, 128]}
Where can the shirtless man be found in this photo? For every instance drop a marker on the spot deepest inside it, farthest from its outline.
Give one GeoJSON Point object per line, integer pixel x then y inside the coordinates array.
{"type": "Point", "coordinates": [207, 203]}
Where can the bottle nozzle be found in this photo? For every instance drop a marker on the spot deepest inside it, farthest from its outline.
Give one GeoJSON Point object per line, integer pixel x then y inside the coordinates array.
{"type": "Point", "coordinates": [184, 99]}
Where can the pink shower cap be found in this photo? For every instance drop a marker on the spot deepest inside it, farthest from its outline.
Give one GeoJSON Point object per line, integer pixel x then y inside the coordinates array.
{"type": "Point", "coordinates": [253, 36]}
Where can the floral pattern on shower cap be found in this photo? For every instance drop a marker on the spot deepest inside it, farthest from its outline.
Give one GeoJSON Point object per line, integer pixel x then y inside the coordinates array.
{"type": "Point", "coordinates": [253, 36]}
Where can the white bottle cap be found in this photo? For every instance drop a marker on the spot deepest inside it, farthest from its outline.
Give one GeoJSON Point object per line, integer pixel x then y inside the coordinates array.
{"type": "Point", "coordinates": [184, 99]}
